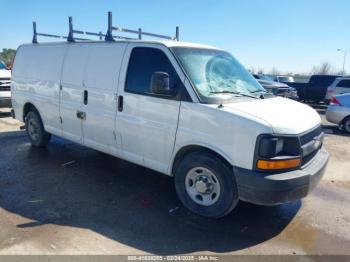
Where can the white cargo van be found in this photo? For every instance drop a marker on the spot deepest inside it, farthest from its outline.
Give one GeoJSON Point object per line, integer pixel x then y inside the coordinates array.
{"type": "Point", "coordinates": [186, 110]}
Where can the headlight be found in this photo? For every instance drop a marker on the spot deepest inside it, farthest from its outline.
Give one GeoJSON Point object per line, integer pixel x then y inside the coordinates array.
{"type": "Point", "coordinates": [270, 147]}
{"type": "Point", "coordinates": [276, 153]}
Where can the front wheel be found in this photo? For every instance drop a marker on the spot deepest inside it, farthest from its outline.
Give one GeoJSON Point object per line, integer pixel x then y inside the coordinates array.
{"type": "Point", "coordinates": [35, 130]}
{"type": "Point", "coordinates": [206, 185]}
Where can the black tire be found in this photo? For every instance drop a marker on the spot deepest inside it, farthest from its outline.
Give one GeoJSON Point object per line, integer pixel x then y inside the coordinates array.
{"type": "Point", "coordinates": [227, 199]}
{"type": "Point", "coordinates": [346, 124]}
{"type": "Point", "coordinates": [39, 137]}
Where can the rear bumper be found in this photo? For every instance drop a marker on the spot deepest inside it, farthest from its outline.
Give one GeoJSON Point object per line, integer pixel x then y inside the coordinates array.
{"type": "Point", "coordinates": [273, 189]}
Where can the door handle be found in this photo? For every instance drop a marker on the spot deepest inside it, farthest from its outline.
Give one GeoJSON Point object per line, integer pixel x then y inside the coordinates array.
{"type": "Point", "coordinates": [86, 97]}
{"type": "Point", "coordinates": [81, 115]}
{"type": "Point", "coordinates": [120, 103]}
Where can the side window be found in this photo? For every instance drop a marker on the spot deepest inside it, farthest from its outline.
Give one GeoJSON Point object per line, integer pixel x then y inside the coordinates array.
{"type": "Point", "coordinates": [143, 63]}
{"type": "Point", "coordinates": [344, 83]}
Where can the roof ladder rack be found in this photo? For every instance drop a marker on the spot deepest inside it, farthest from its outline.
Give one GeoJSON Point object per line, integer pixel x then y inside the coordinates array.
{"type": "Point", "coordinates": [107, 37]}
{"type": "Point", "coordinates": [69, 38]}
{"type": "Point", "coordinates": [139, 32]}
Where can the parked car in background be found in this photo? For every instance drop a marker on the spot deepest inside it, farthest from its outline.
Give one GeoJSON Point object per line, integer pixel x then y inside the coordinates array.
{"type": "Point", "coordinates": [283, 79]}
{"type": "Point", "coordinates": [315, 90]}
{"type": "Point", "coordinates": [339, 86]}
{"type": "Point", "coordinates": [338, 111]}
{"type": "Point", "coordinates": [5, 86]}
{"type": "Point", "coordinates": [276, 88]}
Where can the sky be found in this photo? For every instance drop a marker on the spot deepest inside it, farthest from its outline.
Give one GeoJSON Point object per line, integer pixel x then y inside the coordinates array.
{"type": "Point", "coordinates": [289, 35]}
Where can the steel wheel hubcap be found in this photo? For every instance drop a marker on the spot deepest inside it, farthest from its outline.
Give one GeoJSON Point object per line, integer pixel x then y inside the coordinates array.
{"type": "Point", "coordinates": [202, 186]}
{"type": "Point", "coordinates": [33, 129]}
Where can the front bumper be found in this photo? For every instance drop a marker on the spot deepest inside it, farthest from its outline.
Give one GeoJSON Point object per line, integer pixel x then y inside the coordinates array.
{"type": "Point", "coordinates": [273, 189]}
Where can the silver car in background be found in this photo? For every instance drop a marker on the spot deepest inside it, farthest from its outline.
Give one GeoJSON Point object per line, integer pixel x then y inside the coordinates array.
{"type": "Point", "coordinates": [340, 86]}
{"type": "Point", "coordinates": [338, 111]}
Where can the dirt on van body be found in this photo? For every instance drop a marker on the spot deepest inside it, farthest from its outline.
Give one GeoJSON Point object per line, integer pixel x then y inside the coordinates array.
{"type": "Point", "coordinates": [68, 199]}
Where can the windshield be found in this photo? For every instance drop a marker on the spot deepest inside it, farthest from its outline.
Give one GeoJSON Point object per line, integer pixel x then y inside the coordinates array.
{"type": "Point", "coordinates": [2, 66]}
{"type": "Point", "coordinates": [216, 74]}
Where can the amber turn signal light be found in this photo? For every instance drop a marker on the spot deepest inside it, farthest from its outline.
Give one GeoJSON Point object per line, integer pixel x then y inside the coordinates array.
{"type": "Point", "coordinates": [278, 164]}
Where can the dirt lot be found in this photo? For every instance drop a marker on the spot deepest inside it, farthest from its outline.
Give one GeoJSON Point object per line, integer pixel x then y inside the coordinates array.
{"type": "Point", "coordinates": [68, 199]}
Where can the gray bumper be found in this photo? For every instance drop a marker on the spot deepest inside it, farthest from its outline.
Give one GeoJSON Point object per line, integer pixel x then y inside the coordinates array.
{"type": "Point", "coordinates": [273, 189]}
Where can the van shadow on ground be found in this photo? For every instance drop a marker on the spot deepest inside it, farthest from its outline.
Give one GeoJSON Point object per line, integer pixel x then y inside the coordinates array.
{"type": "Point", "coordinates": [121, 201]}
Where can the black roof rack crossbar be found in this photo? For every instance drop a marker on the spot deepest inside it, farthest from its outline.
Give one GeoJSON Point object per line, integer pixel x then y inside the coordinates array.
{"type": "Point", "coordinates": [69, 38]}
{"type": "Point", "coordinates": [107, 37]}
{"type": "Point", "coordinates": [100, 35]}
{"type": "Point", "coordinates": [139, 32]}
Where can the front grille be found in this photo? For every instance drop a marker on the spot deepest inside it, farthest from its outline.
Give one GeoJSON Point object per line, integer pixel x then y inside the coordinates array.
{"type": "Point", "coordinates": [310, 140]}
{"type": "Point", "coordinates": [306, 138]}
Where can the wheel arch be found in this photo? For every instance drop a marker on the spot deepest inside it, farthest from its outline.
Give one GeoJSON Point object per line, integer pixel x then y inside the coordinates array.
{"type": "Point", "coordinates": [188, 149]}
{"type": "Point", "coordinates": [29, 106]}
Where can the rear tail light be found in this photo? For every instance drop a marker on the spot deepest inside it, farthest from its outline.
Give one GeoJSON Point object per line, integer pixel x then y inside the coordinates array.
{"type": "Point", "coordinates": [335, 101]}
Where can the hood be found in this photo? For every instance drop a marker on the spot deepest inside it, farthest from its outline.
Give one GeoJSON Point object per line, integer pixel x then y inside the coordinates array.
{"type": "Point", "coordinates": [285, 116]}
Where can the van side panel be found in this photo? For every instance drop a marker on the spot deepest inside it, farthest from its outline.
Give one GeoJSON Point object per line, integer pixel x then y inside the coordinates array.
{"type": "Point", "coordinates": [72, 90]}
{"type": "Point", "coordinates": [101, 83]}
{"type": "Point", "coordinates": [36, 79]}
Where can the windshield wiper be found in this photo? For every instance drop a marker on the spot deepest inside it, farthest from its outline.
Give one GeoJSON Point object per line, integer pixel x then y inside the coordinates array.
{"type": "Point", "coordinates": [232, 92]}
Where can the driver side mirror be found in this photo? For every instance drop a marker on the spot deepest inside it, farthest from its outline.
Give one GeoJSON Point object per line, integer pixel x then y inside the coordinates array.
{"type": "Point", "coordinates": [160, 83]}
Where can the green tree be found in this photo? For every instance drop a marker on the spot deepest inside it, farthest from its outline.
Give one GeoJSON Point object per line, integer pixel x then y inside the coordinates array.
{"type": "Point", "coordinates": [7, 55]}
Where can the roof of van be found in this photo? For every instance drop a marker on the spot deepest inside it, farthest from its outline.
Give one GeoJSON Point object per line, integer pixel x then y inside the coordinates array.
{"type": "Point", "coordinates": [167, 43]}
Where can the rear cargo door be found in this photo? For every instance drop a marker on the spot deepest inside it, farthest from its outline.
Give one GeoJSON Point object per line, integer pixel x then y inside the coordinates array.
{"type": "Point", "coordinates": [99, 99]}
{"type": "Point", "coordinates": [71, 91]}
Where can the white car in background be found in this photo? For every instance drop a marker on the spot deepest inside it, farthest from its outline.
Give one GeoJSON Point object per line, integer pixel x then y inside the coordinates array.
{"type": "Point", "coordinates": [283, 79]}
{"type": "Point", "coordinates": [338, 111]}
{"type": "Point", "coordinates": [339, 86]}
{"type": "Point", "coordinates": [5, 86]}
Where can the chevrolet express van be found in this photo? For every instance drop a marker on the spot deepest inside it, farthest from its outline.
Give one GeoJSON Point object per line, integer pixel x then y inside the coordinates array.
{"type": "Point", "coordinates": [186, 110]}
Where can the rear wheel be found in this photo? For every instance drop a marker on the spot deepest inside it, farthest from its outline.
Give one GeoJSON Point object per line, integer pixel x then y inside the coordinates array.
{"type": "Point", "coordinates": [206, 185]}
{"type": "Point", "coordinates": [346, 124]}
{"type": "Point", "coordinates": [35, 130]}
